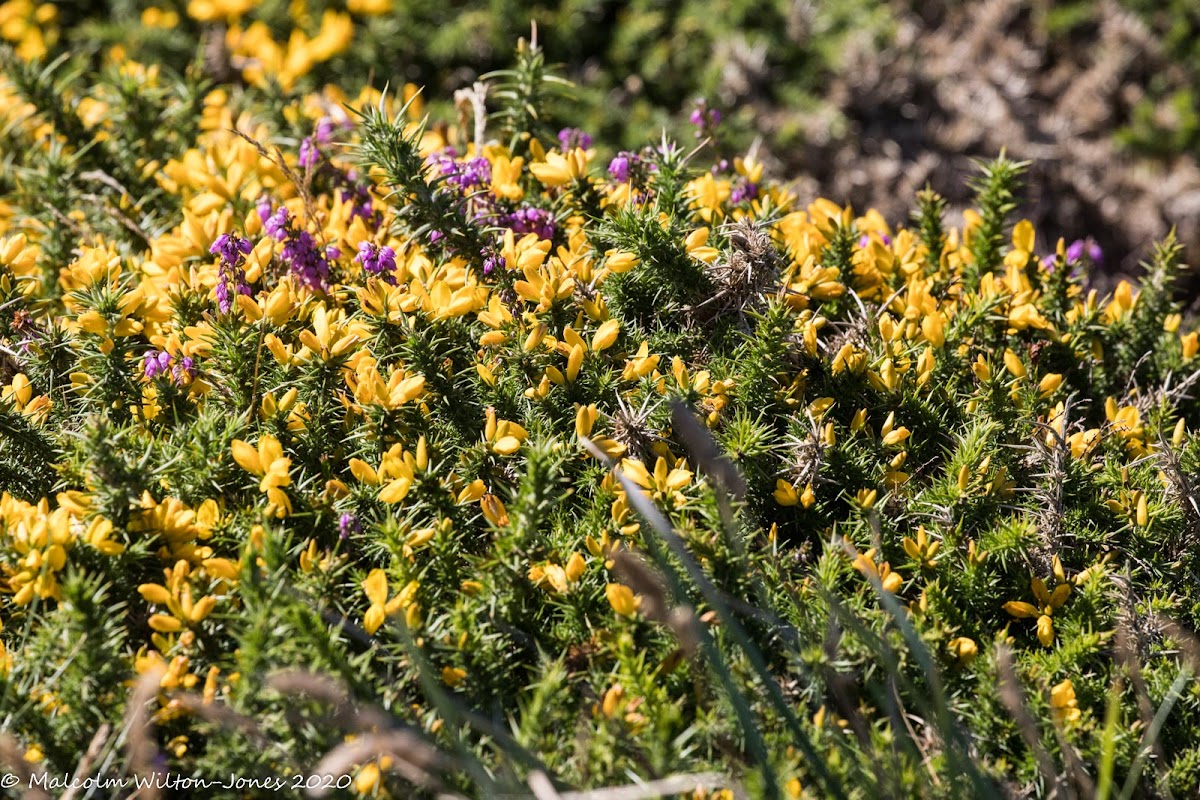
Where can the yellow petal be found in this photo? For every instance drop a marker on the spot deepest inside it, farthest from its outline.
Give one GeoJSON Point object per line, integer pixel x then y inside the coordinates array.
{"type": "Point", "coordinates": [375, 586]}
{"type": "Point", "coordinates": [269, 450]}
{"type": "Point", "coordinates": [153, 593]}
{"type": "Point", "coordinates": [471, 492]}
{"type": "Point", "coordinates": [575, 567]}
{"type": "Point", "coordinates": [493, 509]}
{"type": "Point", "coordinates": [507, 445]}
{"type": "Point", "coordinates": [221, 568]}
{"type": "Point", "coordinates": [1020, 609]}
{"type": "Point", "coordinates": [1039, 591]}
{"type": "Point", "coordinates": [1045, 630]}
{"type": "Point", "coordinates": [165, 624]}
{"type": "Point", "coordinates": [247, 457]}
{"type": "Point", "coordinates": [622, 599]}
{"type": "Point", "coordinates": [373, 619]}
{"type": "Point", "coordinates": [574, 362]}
{"type": "Point", "coordinates": [1023, 235]}
{"type": "Point", "coordinates": [395, 491]}
{"type": "Point", "coordinates": [202, 608]}
{"type": "Point", "coordinates": [606, 335]}
{"type": "Point", "coordinates": [363, 472]}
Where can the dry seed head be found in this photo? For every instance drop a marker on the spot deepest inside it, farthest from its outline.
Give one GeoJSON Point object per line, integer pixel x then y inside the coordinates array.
{"type": "Point", "coordinates": [746, 275]}
{"type": "Point", "coordinates": [631, 427]}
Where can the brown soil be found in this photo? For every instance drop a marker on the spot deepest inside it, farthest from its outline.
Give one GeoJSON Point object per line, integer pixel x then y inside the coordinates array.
{"type": "Point", "coordinates": [964, 82]}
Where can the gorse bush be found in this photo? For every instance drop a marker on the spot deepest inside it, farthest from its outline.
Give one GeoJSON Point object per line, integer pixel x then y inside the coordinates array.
{"type": "Point", "coordinates": [652, 59]}
{"type": "Point", "coordinates": [447, 458]}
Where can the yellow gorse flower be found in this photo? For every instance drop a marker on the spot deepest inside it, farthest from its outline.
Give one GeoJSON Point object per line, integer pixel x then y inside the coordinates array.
{"type": "Point", "coordinates": [560, 169]}
{"type": "Point", "coordinates": [268, 462]}
{"type": "Point", "coordinates": [558, 579]}
{"type": "Point", "coordinates": [375, 586]}
{"type": "Point", "coordinates": [865, 563]}
{"type": "Point", "coordinates": [921, 549]}
{"type": "Point", "coordinates": [1048, 601]}
{"type": "Point", "coordinates": [664, 483]}
{"type": "Point", "coordinates": [176, 595]}
{"type": "Point", "coordinates": [1063, 703]}
{"type": "Point", "coordinates": [502, 437]}
{"type": "Point", "coordinates": [622, 599]}
{"type": "Point", "coordinates": [397, 470]}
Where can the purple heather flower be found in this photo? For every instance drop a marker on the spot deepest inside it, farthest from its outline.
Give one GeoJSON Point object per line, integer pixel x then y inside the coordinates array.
{"type": "Point", "coordinates": [436, 236]}
{"type": "Point", "coordinates": [532, 220]}
{"type": "Point", "coordinates": [743, 191]}
{"type": "Point", "coordinates": [155, 363]}
{"type": "Point", "coordinates": [619, 167]}
{"type": "Point", "coordinates": [309, 155]}
{"type": "Point", "coordinates": [571, 138]}
{"type": "Point", "coordinates": [492, 261]}
{"type": "Point", "coordinates": [704, 118]}
{"type": "Point", "coordinates": [474, 173]}
{"type": "Point", "coordinates": [160, 362]}
{"type": "Point", "coordinates": [232, 250]}
{"type": "Point", "coordinates": [464, 175]}
{"type": "Point", "coordinates": [377, 260]}
{"type": "Point", "coordinates": [300, 252]}
{"type": "Point", "coordinates": [628, 166]}
{"type": "Point", "coordinates": [363, 207]}
{"type": "Point", "coordinates": [305, 259]}
{"type": "Point", "coordinates": [865, 239]}
{"type": "Point", "coordinates": [1082, 249]}
{"type": "Point", "coordinates": [276, 225]}
{"type": "Point", "coordinates": [325, 128]}
{"type": "Point", "coordinates": [231, 247]}
{"type": "Point", "coordinates": [347, 525]}
{"type": "Point", "coordinates": [184, 371]}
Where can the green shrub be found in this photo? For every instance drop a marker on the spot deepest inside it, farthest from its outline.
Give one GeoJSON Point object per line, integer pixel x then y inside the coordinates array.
{"type": "Point", "coordinates": [327, 448]}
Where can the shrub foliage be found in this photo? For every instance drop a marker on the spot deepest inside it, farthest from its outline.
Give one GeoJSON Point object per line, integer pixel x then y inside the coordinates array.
{"type": "Point", "coordinates": [453, 459]}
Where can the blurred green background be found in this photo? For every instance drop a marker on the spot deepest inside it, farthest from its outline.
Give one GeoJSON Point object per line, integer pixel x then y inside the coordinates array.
{"type": "Point", "coordinates": [863, 101]}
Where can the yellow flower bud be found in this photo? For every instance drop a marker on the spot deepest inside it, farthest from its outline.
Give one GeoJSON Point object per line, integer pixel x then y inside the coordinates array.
{"type": "Point", "coordinates": [785, 493]}
{"type": "Point", "coordinates": [619, 261]}
{"type": "Point", "coordinates": [963, 649]}
{"type": "Point", "coordinates": [622, 599]}
{"type": "Point", "coordinates": [1049, 384]}
{"type": "Point", "coordinates": [1013, 364]}
{"type": "Point", "coordinates": [606, 335]}
{"type": "Point", "coordinates": [1191, 344]}
{"type": "Point", "coordinates": [981, 369]}
{"type": "Point", "coordinates": [807, 497]}
{"type": "Point", "coordinates": [575, 567]}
